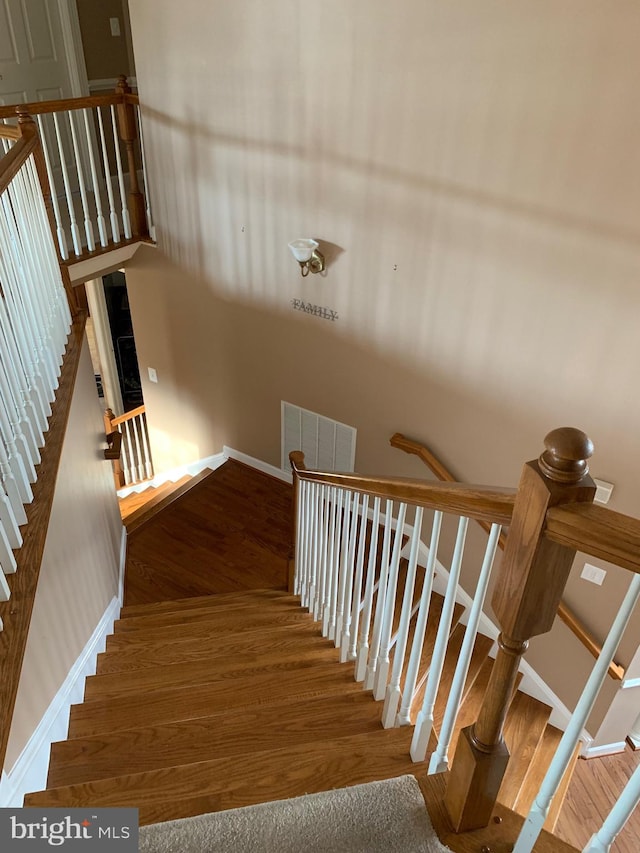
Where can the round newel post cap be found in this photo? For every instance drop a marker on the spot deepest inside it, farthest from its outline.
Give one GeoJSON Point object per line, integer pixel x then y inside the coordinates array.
{"type": "Point", "coordinates": [565, 457]}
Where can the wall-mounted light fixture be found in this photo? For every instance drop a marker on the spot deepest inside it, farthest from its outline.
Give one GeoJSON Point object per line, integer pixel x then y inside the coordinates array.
{"type": "Point", "coordinates": [306, 253]}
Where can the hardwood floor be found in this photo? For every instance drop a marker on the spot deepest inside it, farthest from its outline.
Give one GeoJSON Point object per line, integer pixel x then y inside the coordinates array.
{"type": "Point", "coordinates": [230, 532]}
{"type": "Point", "coordinates": [595, 786]}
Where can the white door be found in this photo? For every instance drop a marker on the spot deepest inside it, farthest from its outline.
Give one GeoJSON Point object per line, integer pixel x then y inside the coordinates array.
{"type": "Point", "coordinates": [33, 61]}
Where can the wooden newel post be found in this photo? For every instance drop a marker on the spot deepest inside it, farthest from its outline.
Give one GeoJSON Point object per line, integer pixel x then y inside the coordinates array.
{"type": "Point", "coordinates": [533, 575]}
{"type": "Point", "coordinates": [296, 458]}
{"type": "Point", "coordinates": [128, 133]}
{"type": "Point", "coordinates": [118, 471]}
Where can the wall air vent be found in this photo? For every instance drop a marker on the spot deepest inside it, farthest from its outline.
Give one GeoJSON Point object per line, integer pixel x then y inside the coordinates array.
{"type": "Point", "coordinates": [327, 445]}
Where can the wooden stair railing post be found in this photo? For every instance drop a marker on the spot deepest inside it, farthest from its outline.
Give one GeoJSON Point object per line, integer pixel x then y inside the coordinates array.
{"type": "Point", "coordinates": [532, 577]}
{"type": "Point", "coordinates": [118, 472]}
{"type": "Point", "coordinates": [297, 457]}
{"type": "Point", "coordinates": [128, 134]}
{"type": "Point", "coordinates": [29, 128]}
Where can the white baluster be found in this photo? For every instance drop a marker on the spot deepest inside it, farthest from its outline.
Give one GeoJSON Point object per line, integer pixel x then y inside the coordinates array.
{"type": "Point", "coordinates": [312, 545]}
{"type": "Point", "coordinates": [126, 463]}
{"type": "Point", "coordinates": [337, 580]}
{"type": "Point", "coordinates": [113, 216]}
{"type": "Point", "coordinates": [380, 600]}
{"type": "Point", "coordinates": [363, 646]}
{"type": "Point", "coordinates": [15, 509]}
{"type": "Point", "coordinates": [321, 559]}
{"type": "Point", "coordinates": [147, 451]}
{"type": "Point", "coordinates": [329, 613]}
{"type": "Point", "coordinates": [392, 698]}
{"type": "Point", "coordinates": [102, 225]}
{"type": "Point", "coordinates": [382, 672]}
{"type": "Point", "coordinates": [298, 581]}
{"type": "Point", "coordinates": [439, 761]}
{"type": "Point", "coordinates": [88, 225]}
{"type": "Point", "coordinates": [621, 812]}
{"type": "Point", "coordinates": [126, 222]}
{"type": "Point", "coordinates": [345, 561]}
{"type": "Point", "coordinates": [137, 430]}
{"type": "Point", "coordinates": [424, 723]}
{"type": "Point", "coordinates": [5, 592]}
{"type": "Point", "coordinates": [60, 232]}
{"type": "Point", "coordinates": [411, 678]}
{"type": "Point", "coordinates": [354, 587]}
{"type": "Point", "coordinates": [75, 231]}
{"type": "Point", "coordinates": [18, 465]}
{"type": "Point", "coordinates": [7, 560]}
{"type": "Point", "coordinates": [534, 822]}
{"type": "Point", "coordinates": [150, 225]}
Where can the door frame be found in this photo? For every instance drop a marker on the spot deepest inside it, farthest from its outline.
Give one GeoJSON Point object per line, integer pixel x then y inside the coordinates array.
{"type": "Point", "coordinates": [72, 38]}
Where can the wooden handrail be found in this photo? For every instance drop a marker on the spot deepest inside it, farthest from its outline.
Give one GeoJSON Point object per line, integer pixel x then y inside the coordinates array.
{"type": "Point", "coordinates": [564, 525]}
{"type": "Point", "coordinates": [120, 419]}
{"type": "Point", "coordinates": [597, 531]}
{"type": "Point", "coordinates": [40, 107]}
{"type": "Point", "coordinates": [485, 503]}
{"type": "Point", "coordinates": [12, 162]}
{"type": "Point", "coordinates": [16, 613]}
{"type": "Point", "coordinates": [9, 131]}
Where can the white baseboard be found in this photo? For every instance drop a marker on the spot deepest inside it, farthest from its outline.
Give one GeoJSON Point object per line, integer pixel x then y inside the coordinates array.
{"type": "Point", "coordinates": [123, 562]}
{"type": "Point", "coordinates": [605, 749]}
{"type": "Point", "coordinates": [285, 476]}
{"type": "Point", "coordinates": [175, 474]}
{"type": "Point", "coordinates": [29, 773]}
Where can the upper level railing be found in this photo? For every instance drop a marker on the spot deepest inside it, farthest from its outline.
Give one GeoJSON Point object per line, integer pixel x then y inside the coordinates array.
{"type": "Point", "coordinates": [38, 362]}
{"type": "Point", "coordinates": [565, 613]}
{"type": "Point", "coordinates": [93, 169]}
{"type": "Point", "coordinates": [133, 464]}
{"type": "Point", "coordinates": [350, 535]}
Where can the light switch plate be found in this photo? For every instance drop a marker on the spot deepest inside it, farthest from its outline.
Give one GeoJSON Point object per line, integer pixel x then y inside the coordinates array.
{"type": "Point", "coordinates": [153, 376]}
{"type": "Point", "coordinates": [603, 491]}
{"type": "Point", "coordinates": [114, 23]}
{"type": "Point", "coordinates": [593, 574]}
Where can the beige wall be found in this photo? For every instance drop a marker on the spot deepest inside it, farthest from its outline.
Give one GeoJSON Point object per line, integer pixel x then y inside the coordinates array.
{"type": "Point", "coordinates": [472, 171]}
{"type": "Point", "coordinates": [105, 56]}
{"type": "Point", "coordinates": [79, 574]}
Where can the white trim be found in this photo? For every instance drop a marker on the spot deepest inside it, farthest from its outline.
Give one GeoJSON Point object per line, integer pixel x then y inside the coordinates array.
{"type": "Point", "coordinates": [123, 563]}
{"type": "Point", "coordinates": [174, 474]}
{"type": "Point", "coordinates": [630, 682]}
{"type": "Point", "coordinates": [29, 773]}
{"type": "Point", "coordinates": [605, 749]}
{"type": "Point", "coordinates": [634, 740]}
{"type": "Point", "coordinates": [72, 38]}
{"type": "Point", "coordinates": [100, 265]}
{"type": "Point", "coordinates": [265, 467]}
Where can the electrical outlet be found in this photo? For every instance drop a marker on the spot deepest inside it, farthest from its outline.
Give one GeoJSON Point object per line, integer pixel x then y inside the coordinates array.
{"type": "Point", "coordinates": [114, 23]}
{"type": "Point", "coordinates": [153, 376]}
{"type": "Point", "coordinates": [593, 574]}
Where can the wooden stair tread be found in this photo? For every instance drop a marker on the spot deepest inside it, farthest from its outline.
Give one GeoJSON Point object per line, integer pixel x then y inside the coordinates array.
{"type": "Point", "coordinates": [163, 499]}
{"type": "Point", "coordinates": [523, 731]}
{"type": "Point", "coordinates": [537, 769]}
{"type": "Point", "coordinates": [203, 700]}
{"type": "Point", "coordinates": [214, 602]}
{"type": "Point", "coordinates": [167, 651]}
{"type": "Point", "coordinates": [557, 802]}
{"type": "Point", "coordinates": [244, 732]}
{"type": "Point", "coordinates": [130, 510]}
{"type": "Point", "coordinates": [127, 682]}
{"type": "Point", "coordinates": [133, 624]}
{"type": "Point", "coordinates": [224, 783]}
{"type": "Point", "coordinates": [225, 623]}
{"type": "Point", "coordinates": [479, 654]}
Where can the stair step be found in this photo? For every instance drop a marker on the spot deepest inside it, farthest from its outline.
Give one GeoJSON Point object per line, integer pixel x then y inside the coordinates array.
{"type": "Point", "coordinates": [523, 731]}
{"type": "Point", "coordinates": [244, 732]}
{"type": "Point", "coordinates": [123, 683]}
{"type": "Point", "coordinates": [221, 599]}
{"type": "Point", "coordinates": [479, 654]}
{"type": "Point", "coordinates": [167, 651]}
{"type": "Point", "coordinates": [135, 500]}
{"type": "Point", "coordinates": [537, 769]}
{"type": "Point", "coordinates": [224, 783]}
{"type": "Point", "coordinates": [202, 700]}
{"type": "Point", "coordinates": [131, 624]}
{"type": "Point", "coordinates": [162, 500]}
{"type": "Point", "coordinates": [561, 793]}
{"type": "Point", "coordinates": [226, 623]}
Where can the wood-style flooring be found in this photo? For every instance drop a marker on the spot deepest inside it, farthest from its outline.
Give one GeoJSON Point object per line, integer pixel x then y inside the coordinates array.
{"type": "Point", "coordinates": [594, 788]}
{"type": "Point", "coordinates": [231, 531]}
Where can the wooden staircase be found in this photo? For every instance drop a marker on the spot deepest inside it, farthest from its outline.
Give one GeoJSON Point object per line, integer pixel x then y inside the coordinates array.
{"type": "Point", "coordinates": [210, 702]}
